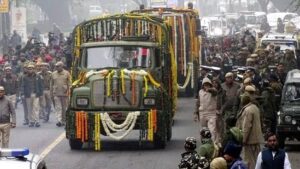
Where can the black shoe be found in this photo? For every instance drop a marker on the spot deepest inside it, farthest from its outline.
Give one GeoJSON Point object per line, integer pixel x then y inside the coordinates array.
{"type": "Point", "coordinates": [25, 123]}
{"type": "Point", "coordinates": [37, 124]}
{"type": "Point", "coordinates": [59, 124]}
{"type": "Point", "coordinates": [31, 125]}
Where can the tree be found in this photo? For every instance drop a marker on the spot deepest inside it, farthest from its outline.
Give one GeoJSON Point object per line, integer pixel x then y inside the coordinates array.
{"type": "Point", "coordinates": [57, 11]}
{"type": "Point", "coordinates": [264, 5]}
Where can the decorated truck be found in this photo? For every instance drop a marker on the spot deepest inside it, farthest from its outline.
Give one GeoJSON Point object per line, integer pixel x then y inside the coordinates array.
{"type": "Point", "coordinates": [124, 79]}
{"type": "Point", "coordinates": [185, 30]}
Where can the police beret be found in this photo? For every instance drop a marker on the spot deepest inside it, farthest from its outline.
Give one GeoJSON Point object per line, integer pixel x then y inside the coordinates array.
{"type": "Point", "coordinates": [7, 68]}
{"type": "Point", "coordinates": [229, 74]}
{"type": "Point", "coordinates": [45, 64]}
{"type": "Point", "coordinates": [30, 65]}
{"type": "Point", "coordinates": [250, 88]}
{"type": "Point", "coordinates": [60, 63]}
{"type": "Point", "coordinates": [254, 55]}
{"type": "Point", "coordinates": [247, 80]}
{"type": "Point", "coordinates": [250, 60]}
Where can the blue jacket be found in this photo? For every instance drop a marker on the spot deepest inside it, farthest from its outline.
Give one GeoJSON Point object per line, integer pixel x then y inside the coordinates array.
{"type": "Point", "coordinates": [239, 164]}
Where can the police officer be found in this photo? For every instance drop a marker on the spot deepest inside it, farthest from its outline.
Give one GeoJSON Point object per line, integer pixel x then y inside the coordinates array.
{"type": "Point", "coordinates": [32, 86]}
{"type": "Point", "coordinates": [45, 99]}
{"type": "Point", "coordinates": [269, 107]}
{"type": "Point", "coordinates": [10, 82]}
{"type": "Point", "coordinates": [59, 89]}
{"type": "Point", "coordinates": [7, 118]}
{"type": "Point", "coordinates": [207, 148]}
{"type": "Point", "coordinates": [190, 158]}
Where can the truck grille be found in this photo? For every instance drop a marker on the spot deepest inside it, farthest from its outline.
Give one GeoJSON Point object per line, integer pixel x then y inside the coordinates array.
{"type": "Point", "coordinates": [100, 98]}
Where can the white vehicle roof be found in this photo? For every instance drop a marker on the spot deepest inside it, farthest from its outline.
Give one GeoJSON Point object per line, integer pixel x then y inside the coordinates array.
{"type": "Point", "coordinates": [19, 159]}
{"type": "Point", "coordinates": [272, 17]}
{"type": "Point", "coordinates": [285, 41]}
{"type": "Point", "coordinates": [254, 13]}
{"type": "Point", "coordinates": [279, 36]}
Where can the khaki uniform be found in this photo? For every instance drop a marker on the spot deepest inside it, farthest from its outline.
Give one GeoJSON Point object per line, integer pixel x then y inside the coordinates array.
{"type": "Point", "coordinates": [45, 99]}
{"type": "Point", "coordinates": [7, 116]}
{"type": "Point", "coordinates": [248, 121]}
{"type": "Point", "coordinates": [60, 85]}
{"type": "Point", "coordinates": [208, 112]}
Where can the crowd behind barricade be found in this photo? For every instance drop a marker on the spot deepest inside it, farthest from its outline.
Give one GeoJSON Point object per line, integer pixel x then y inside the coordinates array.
{"type": "Point", "coordinates": [240, 87]}
{"type": "Point", "coordinates": [36, 75]}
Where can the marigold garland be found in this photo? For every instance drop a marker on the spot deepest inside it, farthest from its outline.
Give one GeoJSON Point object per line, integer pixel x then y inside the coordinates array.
{"type": "Point", "coordinates": [81, 126]}
{"type": "Point", "coordinates": [123, 82]}
{"type": "Point", "coordinates": [97, 133]}
{"type": "Point", "coordinates": [133, 92]}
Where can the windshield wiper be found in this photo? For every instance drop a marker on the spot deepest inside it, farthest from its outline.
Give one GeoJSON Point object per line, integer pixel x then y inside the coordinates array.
{"type": "Point", "coordinates": [137, 67]}
{"type": "Point", "coordinates": [108, 67]}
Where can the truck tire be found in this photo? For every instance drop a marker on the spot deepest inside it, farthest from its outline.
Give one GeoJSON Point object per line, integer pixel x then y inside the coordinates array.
{"type": "Point", "coordinates": [160, 138]}
{"type": "Point", "coordinates": [281, 141]}
{"type": "Point", "coordinates": [75, 144]}
{"type": "Point", "coordinates": [169, 130]}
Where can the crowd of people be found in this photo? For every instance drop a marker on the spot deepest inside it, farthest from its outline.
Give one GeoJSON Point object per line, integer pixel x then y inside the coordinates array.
{"type": "Point", "coordinates": [36, 75]}
{"type": "Point", "coordinates": [240, 86]}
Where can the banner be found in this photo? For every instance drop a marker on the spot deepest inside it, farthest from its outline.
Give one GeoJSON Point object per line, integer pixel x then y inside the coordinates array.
{"type": "Point", "coordinates": [4, 6]}
{"type": "Point", "coordinates": [18, 22]}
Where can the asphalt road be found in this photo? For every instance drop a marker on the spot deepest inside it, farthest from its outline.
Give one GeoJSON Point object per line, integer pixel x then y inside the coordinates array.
{"type": "Point", "coordinates": [126, 154]}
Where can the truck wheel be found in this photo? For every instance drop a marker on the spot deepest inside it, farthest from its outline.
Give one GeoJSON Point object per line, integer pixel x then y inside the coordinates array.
{"type": "Point", "coordinates": [160, 138]}
{"type": "Point", "coordinates": [75, 144]}
{"type": "Point", "coordinates": [169, 130]}
{"type": "Point", "coordinates": [281, 141]}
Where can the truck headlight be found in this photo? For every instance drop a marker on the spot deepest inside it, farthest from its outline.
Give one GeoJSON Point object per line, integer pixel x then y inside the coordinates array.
{"type": "Point", "coordinates": [82, 101]}
{"type": "Point", "coordinates": [288, 119]}
{"type": "Point", "coordinates": [294, 121]}
{"type": "Point", "coordinates": [149, 101]}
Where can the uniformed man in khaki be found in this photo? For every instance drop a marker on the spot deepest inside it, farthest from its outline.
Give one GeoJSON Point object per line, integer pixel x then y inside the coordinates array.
{"type": "Point", "coordinates": [59, 88]}
{"type": "Point", "coordinates": [7, 118]}
{"type": "Point", "coordinates": [45, 99]}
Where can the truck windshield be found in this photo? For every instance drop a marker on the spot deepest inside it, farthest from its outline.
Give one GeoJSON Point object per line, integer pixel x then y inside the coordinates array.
{"type": "Point", "coordinates": [120, 57]}
{"type": "Point", "coordinates": [292, 93]}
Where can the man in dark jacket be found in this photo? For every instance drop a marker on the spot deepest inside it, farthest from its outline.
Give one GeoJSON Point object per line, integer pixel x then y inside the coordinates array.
{"type": "Point", "coordinates": [32, 88]}
{"type": "Point", "coordinates": [10, 82]}
{"type": "Point", "coordinates": [272, 156]}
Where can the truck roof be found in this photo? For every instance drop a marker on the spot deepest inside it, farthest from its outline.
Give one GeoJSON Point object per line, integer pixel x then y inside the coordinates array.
{"type": "Point", "coordinates": [120, 43]}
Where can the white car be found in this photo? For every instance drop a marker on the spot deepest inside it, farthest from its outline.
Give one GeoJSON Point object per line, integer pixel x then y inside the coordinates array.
{"type": "Point", "coordinates": [20, 159]}
{"type": "Point", "coordinates": [285, 41]}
